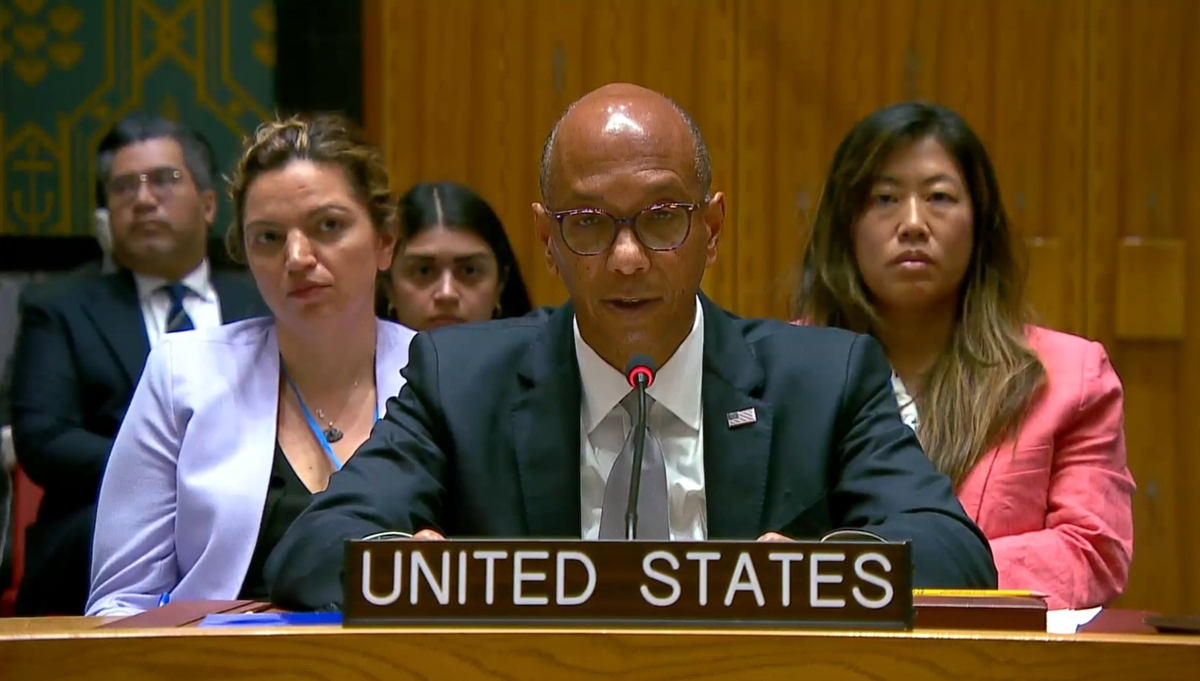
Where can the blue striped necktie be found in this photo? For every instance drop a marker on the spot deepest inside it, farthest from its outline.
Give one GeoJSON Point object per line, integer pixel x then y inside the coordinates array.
{"type": "Point", "coordinates": [177, 317]}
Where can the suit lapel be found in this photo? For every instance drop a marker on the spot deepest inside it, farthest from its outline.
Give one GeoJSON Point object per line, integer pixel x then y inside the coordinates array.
{"type": "Point", "coordinates": [545, 422]}
{"type": "Point", "coordinates": [736, 458]}
{"type": "Point", "coordinates": [258, 406]}
{"type": "Point", "coordinates": [115, 310]}
{"type": "Point", "coordinates": [244, 435]}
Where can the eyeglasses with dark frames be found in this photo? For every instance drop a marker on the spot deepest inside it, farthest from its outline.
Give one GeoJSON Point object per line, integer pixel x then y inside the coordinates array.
{"type": "Point", "coordinates": [660, 227]}
{"type": "Point", "coordinates": [160, 180]}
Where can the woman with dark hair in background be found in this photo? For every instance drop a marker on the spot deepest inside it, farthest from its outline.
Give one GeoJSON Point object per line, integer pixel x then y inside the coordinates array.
{"type": "Point", "coordinates": [912, 245]}
{"type": "Point", "coordinates": [454, 264]}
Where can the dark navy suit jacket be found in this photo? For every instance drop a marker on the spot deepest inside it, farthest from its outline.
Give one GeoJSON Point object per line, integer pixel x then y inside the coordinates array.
{"type": "Point", "coordinates": [484, 441]}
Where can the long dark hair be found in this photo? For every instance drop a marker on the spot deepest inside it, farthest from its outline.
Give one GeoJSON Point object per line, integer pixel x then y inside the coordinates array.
{"type": "Point", "coordinates": [978, 390]}
{"type": "Point", "coordinates": [449, 204]}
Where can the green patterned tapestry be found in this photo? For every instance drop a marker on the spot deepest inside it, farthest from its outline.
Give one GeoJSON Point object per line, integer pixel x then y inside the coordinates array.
{"type": "Point", "coordinates": [70, 68]}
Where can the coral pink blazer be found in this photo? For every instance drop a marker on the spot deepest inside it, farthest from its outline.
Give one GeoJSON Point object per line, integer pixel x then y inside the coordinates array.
{"type": "Point", "coordinates": [1056, 500]}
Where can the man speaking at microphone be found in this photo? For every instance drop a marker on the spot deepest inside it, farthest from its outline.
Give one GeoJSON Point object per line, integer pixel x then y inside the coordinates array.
{"type": "Point", "coordinates": [755, 429]}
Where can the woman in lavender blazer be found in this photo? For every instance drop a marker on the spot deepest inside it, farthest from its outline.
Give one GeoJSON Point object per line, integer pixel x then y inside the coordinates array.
{"type": "Point", "coordinates": [231, 430]}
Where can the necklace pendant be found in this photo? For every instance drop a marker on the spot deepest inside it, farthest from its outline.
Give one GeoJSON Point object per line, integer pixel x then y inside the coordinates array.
{"type": "Point", "coordinates": [332, 434]}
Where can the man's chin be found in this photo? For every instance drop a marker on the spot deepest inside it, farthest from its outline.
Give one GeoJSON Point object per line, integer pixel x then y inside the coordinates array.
{"type": "Point", "coordinates": [153, 247]}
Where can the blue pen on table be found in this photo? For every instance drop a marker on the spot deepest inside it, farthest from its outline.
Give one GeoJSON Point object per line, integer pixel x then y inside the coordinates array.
{"type": "Point", "coordinates": [164, 599]}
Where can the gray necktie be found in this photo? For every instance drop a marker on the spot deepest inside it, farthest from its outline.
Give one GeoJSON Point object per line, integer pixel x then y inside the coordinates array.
{"type": "Point", "coordinates": [653, 521]}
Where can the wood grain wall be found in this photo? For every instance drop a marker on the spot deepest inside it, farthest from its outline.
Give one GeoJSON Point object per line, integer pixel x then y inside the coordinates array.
{"type": "Point", "coordinates": [1088, 107]}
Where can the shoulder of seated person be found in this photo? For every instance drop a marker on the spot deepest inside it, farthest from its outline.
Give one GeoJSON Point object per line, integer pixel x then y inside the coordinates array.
{"type": "Point", "coordinates": [57, 288]}
{"type": "Point", "coordinates": [1068, 360]}
{"type": "Point", "coordinates": [513, 326]}
{"type": "Point", "coordinates": [788, 334]}
{"type": "Point", "coordinates": [1048, 343]}
{"type": "Point", "coordinates": [793, 356]}
{"type": "Point", "coordinates": [242, 332]}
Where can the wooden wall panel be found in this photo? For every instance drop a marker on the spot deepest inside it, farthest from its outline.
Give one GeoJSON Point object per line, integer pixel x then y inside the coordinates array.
{"type": "Point", "coordinates": [806, 72]}
{"type": "Point", "coordinates": [809, 70]}
{"type": "Point", "coordinates": [471, 89]}
{"type": "Point", "coordinates": [682, 48]}
{"type": "Point", "coordinates": [1086, 106]}
{"type": "Point", "coordinates": [1144, 168]}
{"type": "Point", "coordinates": [1015, 70]}
{"type": "Point", "coordinates": [457, 97]}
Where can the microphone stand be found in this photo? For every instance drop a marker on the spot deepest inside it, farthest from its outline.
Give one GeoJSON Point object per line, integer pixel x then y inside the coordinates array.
{"type": "Point", "coordinates": [639, 447]}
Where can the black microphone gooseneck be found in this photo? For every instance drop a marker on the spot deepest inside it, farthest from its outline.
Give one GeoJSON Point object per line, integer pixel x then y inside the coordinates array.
{"type": "Point", "coordinates": [640, 374]}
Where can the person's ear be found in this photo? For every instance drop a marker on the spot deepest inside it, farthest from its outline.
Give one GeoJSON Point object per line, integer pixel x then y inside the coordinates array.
{"type": "Point", "coordinates": [543, 224]}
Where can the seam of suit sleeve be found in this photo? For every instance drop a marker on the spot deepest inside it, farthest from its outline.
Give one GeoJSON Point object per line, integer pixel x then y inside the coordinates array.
{"type": "Point", "coordinates": [170, 380]}
{"type": "Point", "coordinates": [1092, 361]}
{"type": "Point", "coordinates": [437, 367]}
{"type": "Point", "coordinates": [52, 316]}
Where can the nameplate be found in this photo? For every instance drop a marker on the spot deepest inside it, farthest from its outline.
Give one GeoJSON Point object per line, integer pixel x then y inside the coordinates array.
{"type": "Point", "coordinates": [529, 582]}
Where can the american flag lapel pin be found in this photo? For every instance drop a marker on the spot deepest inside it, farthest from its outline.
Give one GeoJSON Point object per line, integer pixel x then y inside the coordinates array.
{"type": "Point", "coordinates": [741, 417]}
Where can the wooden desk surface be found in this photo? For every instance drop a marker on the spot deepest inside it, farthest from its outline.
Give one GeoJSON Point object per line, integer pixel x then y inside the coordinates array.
{"type": "Point", "coordinates": [12, 628]}
{"type": "Point", "coordinates": [79, 652]}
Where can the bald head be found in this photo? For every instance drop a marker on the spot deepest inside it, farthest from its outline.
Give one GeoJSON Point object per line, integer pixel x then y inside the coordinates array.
{"type": "Point", "coordinates": [630, 111]}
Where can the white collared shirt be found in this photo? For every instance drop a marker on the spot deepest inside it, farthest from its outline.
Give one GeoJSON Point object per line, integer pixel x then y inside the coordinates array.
{"type": "Point", "coordinates": [906, 402]}
{"type": "Point", "coordinates": [676, 417]}
{"type": "Point", "coordinates": [201, 303]}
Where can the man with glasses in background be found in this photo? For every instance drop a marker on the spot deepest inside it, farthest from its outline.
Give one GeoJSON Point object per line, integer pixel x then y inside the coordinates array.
{"type": "Point", "coordinates": [757, 429]}
{"type": "Point", "coordinates": [83, 340]}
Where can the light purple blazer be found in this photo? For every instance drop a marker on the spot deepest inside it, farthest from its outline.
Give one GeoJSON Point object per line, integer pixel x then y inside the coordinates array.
{"type": "Point", "coordinates": [183, 494]}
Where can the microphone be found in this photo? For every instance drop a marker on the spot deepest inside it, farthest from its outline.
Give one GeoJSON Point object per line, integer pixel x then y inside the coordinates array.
{"type": "Point", "coordinates": [639, 371]}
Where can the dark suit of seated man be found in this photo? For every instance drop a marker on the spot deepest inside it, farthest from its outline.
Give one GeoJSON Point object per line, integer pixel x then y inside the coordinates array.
{"type": "Point", "coordinates": [83, 341]}
{"type": "Point", "coordinates": [513, 428]}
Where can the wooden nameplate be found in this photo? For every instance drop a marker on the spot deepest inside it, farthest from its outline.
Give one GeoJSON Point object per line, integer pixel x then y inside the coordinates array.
{"type": "Point", "coordinates": [1003, 613]}
{"type": "Point", "coordinates": [931, 612]}
{"type": "Point", "coordinates": [820, 585]}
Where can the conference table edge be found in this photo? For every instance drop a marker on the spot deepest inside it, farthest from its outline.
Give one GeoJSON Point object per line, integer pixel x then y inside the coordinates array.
{"type": "Point", "coordinates": [75, 632]}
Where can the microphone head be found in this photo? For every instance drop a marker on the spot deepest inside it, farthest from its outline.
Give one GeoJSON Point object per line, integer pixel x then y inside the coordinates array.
{"type": "Point", "coordinates": [639, 366]}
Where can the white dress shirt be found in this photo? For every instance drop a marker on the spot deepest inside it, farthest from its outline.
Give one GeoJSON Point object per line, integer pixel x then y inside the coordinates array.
{"type": "Point", "coordinates": [906, 402]}
{"type": "Point", "coordinates": [676, 417]}
{"type": "Point", "coordinates": [201, 302]}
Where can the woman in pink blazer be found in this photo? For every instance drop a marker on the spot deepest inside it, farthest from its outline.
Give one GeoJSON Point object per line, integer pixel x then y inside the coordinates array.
{"type": "Point", "coordinates": [911, 243]}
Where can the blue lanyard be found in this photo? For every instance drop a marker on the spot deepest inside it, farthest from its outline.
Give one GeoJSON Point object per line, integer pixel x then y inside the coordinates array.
{"type": "Point", "coordinates": [316, 430]}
